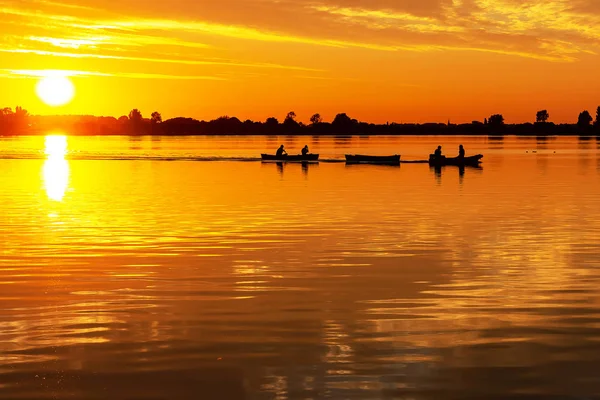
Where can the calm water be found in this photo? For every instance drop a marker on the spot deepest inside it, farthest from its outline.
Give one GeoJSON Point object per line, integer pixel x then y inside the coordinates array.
{"type": "Point", "coordinates": [127, 276]}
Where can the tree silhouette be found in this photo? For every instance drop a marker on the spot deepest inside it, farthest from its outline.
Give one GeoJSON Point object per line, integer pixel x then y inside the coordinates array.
{"type": "Point", "coordinates": [342, 123]}
{"type": "Point", "coordinates": [585, 119]}
{"type": "Point", "coordinates": [291, 116]}
{"type": "Point", "coordinates": [17, 121]}
{"type": "Point", "coordinates": [135, 125]}
{"type": "Point", "coordinates": [272, 121]}
{"type": "Point", "coordinates": [597, 123]}
{"type": "Point", "coordinates": [316, 119]}
{"type": "Point", "coordinates": [135, 115]}
{"type": "Point", "coordinates": [496, 120]}
{"type": "Point", "coordinates": [20, 112]}
{"type": "Point", "coordinates": [542, 116]}
{"type": "Point", "coordinates": [156, 118]}
{"type": "Point", "coordinates": [6, 111]}
{"type": "Point", "coordinates": [290, 125]}
{"type": "Point", "coordinates": [342, 119]}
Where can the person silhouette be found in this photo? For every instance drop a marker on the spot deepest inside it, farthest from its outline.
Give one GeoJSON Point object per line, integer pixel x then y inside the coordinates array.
{"type": "Point", "coordinates": [280, 151]}
{"type": "Point", "coordinates": [438, 152]}
{"type": "Point", "coordinates": [305, 150]}
{"type": "Point", "coordinates": [461, 151]}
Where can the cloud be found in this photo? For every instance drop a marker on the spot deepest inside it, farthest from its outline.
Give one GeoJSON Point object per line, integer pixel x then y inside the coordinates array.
{"type": "Point", "coordinates": [127, 31]}
{"type": "Point", "coordinates": [551, 30]}
{"type": "Point", "coordinates": [386, 19]}
{"type": "Point", "coordinates": [545, 29]}
{"type": "Point", "coordinates": [40, 73]}
{"type": "Point", "coordinates": [108, 41]}
{"type": "Point", "coordinates": [152, 60]}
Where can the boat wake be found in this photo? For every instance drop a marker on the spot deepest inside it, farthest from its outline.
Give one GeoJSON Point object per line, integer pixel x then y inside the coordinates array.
{"type": "Point", "coordinates": [141, 157]}
{"type": "Point", "coordinates": [161, 157]}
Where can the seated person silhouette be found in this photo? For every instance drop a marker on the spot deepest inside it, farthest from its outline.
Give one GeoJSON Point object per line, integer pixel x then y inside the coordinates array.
{"type": "Point", "coordinates": [305, 150]}
{"type": "Point", "coordinates": [461, 151]}
{"type": "Point", "coordinates": [280, 152]}
{"type": "Point", "coordinates": [438, 152]}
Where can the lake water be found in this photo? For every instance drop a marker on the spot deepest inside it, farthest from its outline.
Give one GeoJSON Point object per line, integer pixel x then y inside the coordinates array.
{"type": "Point", "coordinates": [166, 268]}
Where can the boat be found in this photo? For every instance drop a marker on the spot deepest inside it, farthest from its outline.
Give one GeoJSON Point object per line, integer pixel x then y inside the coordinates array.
{"type": "Point", "coordinates": [362, 159]}
{"type": "Point", "coordinates": [290, 158]}
{"type": "Point", "coordinates": [458, 161]}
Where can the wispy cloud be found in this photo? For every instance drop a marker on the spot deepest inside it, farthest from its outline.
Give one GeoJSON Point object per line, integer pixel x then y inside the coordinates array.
{"type": "Point", "coordinates": [40, 73]}
{"type": "Point", "coordinates": [552, 30]}
{"type": "Point", "coordinates": [65, 5]}
{"type": "Point", "coordinates": [69, 43]}
{"type": "Point", "coordinates": [148, 59]}
{"type": "Point", "coordinates": [108, 42]}
{"type": "Point", "coordinates": [113, 30]}
{"type": "Point", "coordinates": [386, 19]}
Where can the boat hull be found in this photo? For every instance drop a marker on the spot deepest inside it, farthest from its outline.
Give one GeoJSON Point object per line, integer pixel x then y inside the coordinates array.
{"type": "Point", "coordinates": [458, 161]}
{"type": "Point", "coordinates": [290, 158]}
{"type": "Point", "coordinates": [362, 159]}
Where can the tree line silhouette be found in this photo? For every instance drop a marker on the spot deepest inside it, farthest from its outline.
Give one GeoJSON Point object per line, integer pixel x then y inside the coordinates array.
{"type": "Point", "coordinates": [19, 122]}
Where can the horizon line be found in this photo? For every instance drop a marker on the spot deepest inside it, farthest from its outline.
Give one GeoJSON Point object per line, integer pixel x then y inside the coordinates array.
{"type": "Point", "coordinates": [448, 122]}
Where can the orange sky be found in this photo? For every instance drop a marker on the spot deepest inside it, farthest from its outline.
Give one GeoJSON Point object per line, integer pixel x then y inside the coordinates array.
{"type": "Point", "coordinates": [377, 60]}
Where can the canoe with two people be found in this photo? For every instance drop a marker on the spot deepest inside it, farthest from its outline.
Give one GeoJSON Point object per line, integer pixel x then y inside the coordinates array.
{"type": "Point", "coordinates": [437, 159]}
{"type": "Point", "coordinates": [282, 155]}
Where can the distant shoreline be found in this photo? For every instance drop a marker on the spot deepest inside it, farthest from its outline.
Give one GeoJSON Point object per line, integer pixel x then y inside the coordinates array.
{"type": "Point", "coordinates": [589, 134]}
{"type": "Point", "coordinates": [332, 135]}
{"type": "Point", "coordinates": [20, 123]}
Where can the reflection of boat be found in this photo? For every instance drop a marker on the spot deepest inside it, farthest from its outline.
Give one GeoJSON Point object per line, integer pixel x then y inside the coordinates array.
{"type": "Point", "coordinates": [362, 159]}
{"type": "Point", "coordinates": [461, 169]}
{"type": "Point", "coordinates": [284, 158]}
{"type": "Point", "coordinates": [459, 161]}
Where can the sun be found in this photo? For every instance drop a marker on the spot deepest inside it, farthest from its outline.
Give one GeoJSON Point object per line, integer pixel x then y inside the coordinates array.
{"type": "Point", "coordinates": [55, 90]}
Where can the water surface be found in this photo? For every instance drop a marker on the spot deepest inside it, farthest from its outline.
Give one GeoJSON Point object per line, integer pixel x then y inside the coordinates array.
{"type": "Point", "coordinates": [179, 268]}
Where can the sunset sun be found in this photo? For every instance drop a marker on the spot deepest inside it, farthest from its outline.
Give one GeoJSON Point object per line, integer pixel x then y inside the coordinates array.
{"type": "Point", "coordinates": [55, 90]}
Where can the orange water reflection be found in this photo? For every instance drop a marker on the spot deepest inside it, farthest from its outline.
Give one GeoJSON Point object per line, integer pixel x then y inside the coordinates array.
{"type": "Point", "coordinates": [55, 171]}
{"type": "Point", "coordinates": [341, 282]}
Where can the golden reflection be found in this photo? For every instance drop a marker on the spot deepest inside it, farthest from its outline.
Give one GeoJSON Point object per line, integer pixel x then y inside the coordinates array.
{"type": "Point", "coordinates": [337, 340]}
{"type": "Point", "coordinates": [56, 171]}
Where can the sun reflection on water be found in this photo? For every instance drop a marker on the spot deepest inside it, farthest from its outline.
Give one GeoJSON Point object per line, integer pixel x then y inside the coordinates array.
{"type": "Point", "coordinates": [55, 172]}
